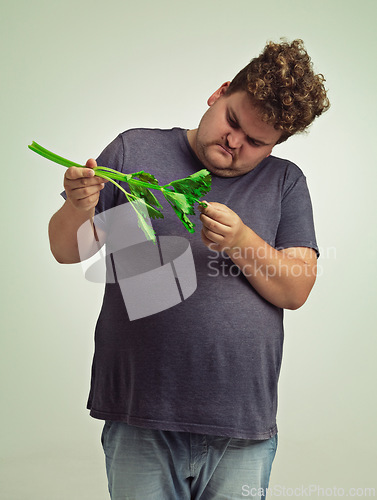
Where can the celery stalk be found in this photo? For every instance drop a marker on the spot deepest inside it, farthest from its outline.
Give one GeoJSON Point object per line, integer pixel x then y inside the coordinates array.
{"type": "Point", "coordinates": [181, 194]}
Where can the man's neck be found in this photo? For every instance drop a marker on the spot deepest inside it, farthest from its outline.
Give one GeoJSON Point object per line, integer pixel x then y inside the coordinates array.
{"type": "Point", "coordinates": [191, 137]}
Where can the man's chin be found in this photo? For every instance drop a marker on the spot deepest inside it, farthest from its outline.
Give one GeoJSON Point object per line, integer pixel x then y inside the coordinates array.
{"type": "Point", "coordinates": [223, 171]}
{"type": "Point", "coordinates": [220, 163]}
{"type": "Point", "coordinates": [217, 164]}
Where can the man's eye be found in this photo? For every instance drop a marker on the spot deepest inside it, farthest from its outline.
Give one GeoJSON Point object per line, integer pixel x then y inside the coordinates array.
{"type": "Point", "coordinates": [232, 123]}
{"type": "Point", "coordinates": [253, 143]}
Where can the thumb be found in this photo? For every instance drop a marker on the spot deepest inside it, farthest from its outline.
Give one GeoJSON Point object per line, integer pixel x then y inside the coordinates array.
{"type": "Point", "coordinates": [91, 163]}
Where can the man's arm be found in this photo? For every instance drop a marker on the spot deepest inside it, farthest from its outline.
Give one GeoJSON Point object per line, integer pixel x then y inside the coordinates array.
{"type": "Point", "coordinates": [82, 188]}
{"type": "Point", "coordinates": [283, 277]}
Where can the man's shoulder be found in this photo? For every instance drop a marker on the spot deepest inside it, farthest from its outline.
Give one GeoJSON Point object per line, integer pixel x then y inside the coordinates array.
{"type": "Point", "coordinates": [144, 133]}
{"type": "Point", "coordinates": [282, 164]}
{"type": "Point", "coordinates": [274, 166]}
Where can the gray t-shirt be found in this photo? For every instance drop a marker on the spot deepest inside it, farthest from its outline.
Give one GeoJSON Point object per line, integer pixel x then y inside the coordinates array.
{"type": "Point", "coordinates": [211, 363]}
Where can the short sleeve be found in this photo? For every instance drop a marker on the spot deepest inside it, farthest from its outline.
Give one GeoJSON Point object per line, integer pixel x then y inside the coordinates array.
{"type": "Point", "coordinates": [112, 157]}
{"type": "Point", "coordinates": [296, 226]}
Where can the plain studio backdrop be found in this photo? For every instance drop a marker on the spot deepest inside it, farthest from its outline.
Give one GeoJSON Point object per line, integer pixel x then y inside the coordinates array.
{"type": "Point", "coordinates": [75, 74]}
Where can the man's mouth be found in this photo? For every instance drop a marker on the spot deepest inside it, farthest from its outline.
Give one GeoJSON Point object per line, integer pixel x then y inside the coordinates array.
{"type": "Point", "coordinates": [226, 149]}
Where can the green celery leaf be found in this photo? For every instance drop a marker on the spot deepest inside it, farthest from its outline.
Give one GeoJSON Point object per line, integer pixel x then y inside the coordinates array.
{"type": "Point", "coordinates": [143, 192]}
{"type": "Point", "coordinates": [193, 186]}
{"type": "Point", "coordinates": [145, 177]}
{"type": "Point", "coordinates": [181, 207]}
{"type": "Point", "coordinates": [153, 212]}
{"type": "Point", "coordinates": [183, 193]}
{"type": "Point", "coordinates": [142, 212]}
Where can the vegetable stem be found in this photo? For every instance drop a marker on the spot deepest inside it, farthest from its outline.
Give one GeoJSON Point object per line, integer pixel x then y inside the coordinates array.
{"type": "Point", "coordinates": [181, 194]}
{"type": "Point", "coordinates": [52, 156]}
{"type": "Point", "coordinates": [128, 195]}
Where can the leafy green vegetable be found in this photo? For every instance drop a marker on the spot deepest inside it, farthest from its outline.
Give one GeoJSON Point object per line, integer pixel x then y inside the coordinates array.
{"type": "Point", "coordinates": [181, 194]}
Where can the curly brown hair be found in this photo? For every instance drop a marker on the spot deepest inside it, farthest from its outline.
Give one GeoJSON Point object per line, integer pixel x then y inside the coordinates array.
{"type": "Point", "coordinates": [282, 83]}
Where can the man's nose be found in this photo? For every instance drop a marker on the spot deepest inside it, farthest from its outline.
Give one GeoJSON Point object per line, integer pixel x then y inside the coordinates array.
{"type": "Point", "coordinates": [234, 139]}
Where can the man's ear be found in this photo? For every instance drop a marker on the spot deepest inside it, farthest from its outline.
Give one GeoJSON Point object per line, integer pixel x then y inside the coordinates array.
{"type": "Point", "coordinates": [219, 92]}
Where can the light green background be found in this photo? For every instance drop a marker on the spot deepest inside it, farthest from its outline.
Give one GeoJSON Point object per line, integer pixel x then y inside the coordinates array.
{"type": "Point", "coordinates": [76, 73]}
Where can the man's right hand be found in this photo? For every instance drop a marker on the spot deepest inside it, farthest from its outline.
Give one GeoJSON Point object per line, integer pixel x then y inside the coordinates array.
{"type": "Point", "coordinates": [82, 186]}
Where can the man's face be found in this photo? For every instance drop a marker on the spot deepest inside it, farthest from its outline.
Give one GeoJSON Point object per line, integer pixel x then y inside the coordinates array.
{"type": "Point", "coordinates": [231, 139]}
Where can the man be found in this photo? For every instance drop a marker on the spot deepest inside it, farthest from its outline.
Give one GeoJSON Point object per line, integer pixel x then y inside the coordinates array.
{"type": "Point", "coordinates": [189, 395]}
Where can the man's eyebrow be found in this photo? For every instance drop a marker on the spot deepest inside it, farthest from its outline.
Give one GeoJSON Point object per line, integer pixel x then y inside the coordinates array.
{"type": "Point", "coordinates": [234, 118]}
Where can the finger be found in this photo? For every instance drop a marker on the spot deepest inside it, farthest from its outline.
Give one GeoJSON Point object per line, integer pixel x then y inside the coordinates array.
{"type": "Point", "coordinates": [81, 188]}
{"type": "Point", "coordinates": [91, 163]}
{"type": "Point", "coordinates": [212, 228]}
{"type": "Point", "coordinates": [72, 184]}
{"type": "Point", "coordinates": [212, 224]}
{"type": "Point", "coordinates": [76, 179]}
{"type": "Point", "coordinates": [215, 206]}
{"type": "Point", "coordinates": [86, 203]}
{"type": "Point", "coordinates": [81, 193]}
{"type": "Point", "coordinates": [208, 242]}
{"type": "Point", "coordinates": [74, 173]}
{"type": "Point", "coordinates": [211, 237]}
{"type": "Point", "coordinates": [202, 206]}
{"type": "Point", "coordinates": [218, 212]}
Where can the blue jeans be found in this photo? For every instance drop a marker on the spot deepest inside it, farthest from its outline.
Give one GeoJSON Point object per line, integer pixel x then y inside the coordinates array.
{"type": "Point", "coordinates": [147, 464]}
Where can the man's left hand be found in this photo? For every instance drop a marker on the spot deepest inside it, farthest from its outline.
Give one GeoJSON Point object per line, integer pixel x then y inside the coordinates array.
{"type": "Point", "coordinates": [222, 228]}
